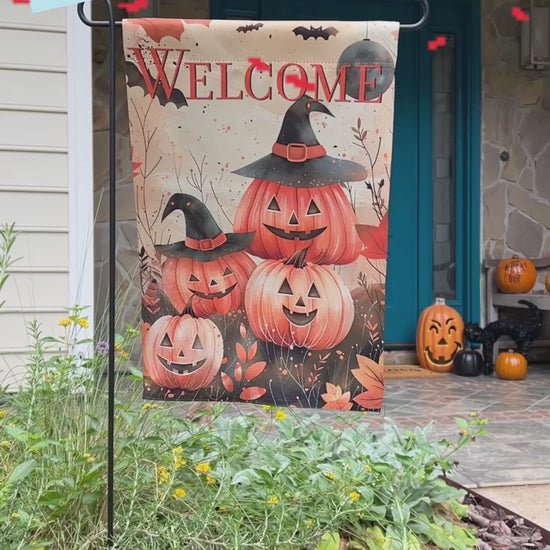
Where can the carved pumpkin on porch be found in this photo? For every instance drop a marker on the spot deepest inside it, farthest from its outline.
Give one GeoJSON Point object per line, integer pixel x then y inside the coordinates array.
{"type": "Point", "coordinates": [515, 275]}
{"type": "Point", "coordinates": [439, 336]}
{"type": "Point", "coordinates": [294, 303]}
{"type": "Point", "coordinates": [209, 266]}
{"type": "Point", "coordinates": [182, 352]}
{"type": "Point", "coordinates": [296, 200]}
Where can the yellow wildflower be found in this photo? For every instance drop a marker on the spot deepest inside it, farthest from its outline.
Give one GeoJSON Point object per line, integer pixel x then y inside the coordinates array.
{"type": "Point", "coordinates": [15, 515]}
{"type": "Point", "coordinates": [354, 496]}
{"type": "Point", "coordinates": [178, 450]}
{"type": "Point", "coordinates": [273, 500]}
{"type": "Point", "coordinates": [65, 322]}
{"type": "Point", "coordinates": [179, 493]}
{"type": "Point", "coordinates": [463, 432]}
{"type": "Point", "coordinates": [223, 508]}
{"type": "Point", "coordinates": [180, 462]}
{"type": "Point", "coordinates": [330, 475]}
{"type": "Point", "coordinates": [83, 322]}
{"type": "Point", "coordinates": [118, 346]}
{"type": "Point", "coordinates": [473, 415]}
{"type": "Point", "coordinates": [368, 467]}
{"type": "Point", "coordinates": [5, 444]}
{"type": "Point", "coordinates": [150, 406]}
{"type": "Point", "coordinates": [203, 468]}
{"type": "Point", "coordinates": [163, 474]}
{"type": "Point", "coordinates": [3, 413]}
{"type": "Point", "coordinates": [280, 415]}
{"type": "Point", "coordinates": [267, 407]}
{"type": "Point", "coordinates": [211, 480]}
{"type": "Point", "coordinates": [124, 354]}
{"type": "Point", "coordinates": [132, 330]}
{"type": "Point", "coordinates": [40, 548]}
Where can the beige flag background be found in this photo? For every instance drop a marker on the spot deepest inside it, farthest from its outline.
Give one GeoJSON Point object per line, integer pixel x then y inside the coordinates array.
{"type": "Point", "coordinates": [262, 162]}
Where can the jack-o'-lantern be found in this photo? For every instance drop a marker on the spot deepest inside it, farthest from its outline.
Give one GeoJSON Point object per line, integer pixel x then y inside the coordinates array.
{"type": "Point", "coordinates": [296, 200]}
{"type": "Point", "coordinates": [294, 303]}
{"type": "Point", "coordinates": [182, 352]}
{"type": "Point", "coordinates": [209, 266]}
{"type": "Point", "coordinates": [439, 336]}
{"type": "Point", "coordinates": [515, 275]}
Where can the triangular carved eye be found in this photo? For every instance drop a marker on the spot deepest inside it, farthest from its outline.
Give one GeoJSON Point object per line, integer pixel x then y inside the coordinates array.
{"type": "Point", "coordinates": [227, 272]}
{"type": "Point", "coordinates": [166, 342]}
{"type": "Point", "coordinates": [313, 292]}
{"type": "Point", "coordinates": [312, 208]}
{"type": "Point", "coordinates": [197, 343]}
{"type": "Point", "coordinates": [285, 288]}
{"type": "Point", "coordinates": [193, 278]}
{"type": "Point", "coordinates": [274, 205]}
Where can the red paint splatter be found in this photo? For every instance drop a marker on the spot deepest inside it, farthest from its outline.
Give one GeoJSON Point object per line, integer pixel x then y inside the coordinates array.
{"type": "Point", "coordinates": [439, 41]}
{"type": "Point", "coordinates": [519, 14]}
{"type": "Point", "coordinates": [21, 1]}
{"type": "Point", "coordinates": [133, 7]}
{"type": "Point", "coordinates": [257, 63]}
{"type": "Point", "coordinates": [300, 82]}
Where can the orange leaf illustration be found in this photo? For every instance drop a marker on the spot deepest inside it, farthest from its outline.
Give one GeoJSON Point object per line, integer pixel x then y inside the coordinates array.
{"type": "Point", "coordinates": [336, 400]}
{"type": "Point", "coordinates": [158, 31]}
{"type": "Point", "coordinates": [238, 372]}
{"type": "Point", "coordinates": [371, 376]}
{"type": "Point", "coordinates": [375, 239]}
{"type": "Point", "coordinates": [254, 370]}
{"type": "Point", "coordinates": [242, 330]}
{"type": "Point", "coordinates": [241, 353]}
{"type": "Point", "coordinates": [252, 351]}
{"type": "Point", "coordinates": [227, 382]}
{"type": "Point", "coordinates": [249, 394]}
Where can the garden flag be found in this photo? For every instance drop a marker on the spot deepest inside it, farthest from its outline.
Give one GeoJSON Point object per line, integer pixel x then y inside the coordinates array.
{"type": "Point", "coordinates": [261, 156]}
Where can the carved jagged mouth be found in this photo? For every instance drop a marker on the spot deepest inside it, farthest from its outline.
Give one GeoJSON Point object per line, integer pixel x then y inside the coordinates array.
{"type": "Point", "coordinates": [441, 360]}
{"type": "Point", "coordinates": [299, 319]}
{"type": "Point", "coordinates": [291, 235]}
{"type": "Point", "coordinates": [180, 368]}
{"type": "Point", "coordinates": [213, 295]}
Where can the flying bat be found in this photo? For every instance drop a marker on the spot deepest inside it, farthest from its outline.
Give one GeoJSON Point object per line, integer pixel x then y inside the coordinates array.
{"type": "Point", "coordinates": [246, 28]}
{"type": "Point", "coordinates": [135, 78]}
{"type": "Point", "coordinates": [315, 32]}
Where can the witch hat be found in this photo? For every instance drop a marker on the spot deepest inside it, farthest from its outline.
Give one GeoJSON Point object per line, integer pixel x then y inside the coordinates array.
{"type": "Point", "coordinates": [204, 240]}
{"type": "Point", "coordinates": [297, 159]}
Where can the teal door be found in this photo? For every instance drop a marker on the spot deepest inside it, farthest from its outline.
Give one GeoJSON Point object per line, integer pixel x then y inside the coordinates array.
{"type": "Point", "coordinates": [434, 197]}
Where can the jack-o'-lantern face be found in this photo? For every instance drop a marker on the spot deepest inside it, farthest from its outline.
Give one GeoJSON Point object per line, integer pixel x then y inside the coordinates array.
{"type": "Point", "coordinates": [294, 303]}
{"type": "Point", "coordinates": [182, 352]}
{"type": "Point", "coordinates": [216, 286]}
{"type": "Point", "coordinates": [440, 336]}
{"type": "Point", "coordinates": [288, 219]}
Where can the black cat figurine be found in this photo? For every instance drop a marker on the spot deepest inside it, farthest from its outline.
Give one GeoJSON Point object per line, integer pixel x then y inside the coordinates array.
{"type": "Point", "coordinates": [522, 333]}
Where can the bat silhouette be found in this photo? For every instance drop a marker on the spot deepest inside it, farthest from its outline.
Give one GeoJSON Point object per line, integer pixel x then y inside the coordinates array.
{"type": "Point", "coordinates": [246, 28]}
{"type": "Point", "coordinates": [135, 78]}
{"type": "Point", "coordinates": [315, 32]}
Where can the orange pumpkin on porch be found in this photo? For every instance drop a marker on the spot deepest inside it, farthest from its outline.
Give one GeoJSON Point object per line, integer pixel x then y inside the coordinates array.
{"type": "Point", "coordinates": [547, 281]}
{"type": "Point", "coordinates": [515, 275]}
{"type": "Point", "coordinates": [511, 366]}
{"type": "Point", "coordinates": [439, 336]}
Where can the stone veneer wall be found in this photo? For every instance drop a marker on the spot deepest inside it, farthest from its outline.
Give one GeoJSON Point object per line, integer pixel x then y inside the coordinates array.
{"type": "Point", "coordinates": [516, 120]}
{"type": "Point", "coordinates": [515, 117]}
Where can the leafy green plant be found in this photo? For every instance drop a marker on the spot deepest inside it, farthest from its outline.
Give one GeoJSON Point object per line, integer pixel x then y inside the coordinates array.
{"type": "Point", "coordinates": [8, 234]}
{"type": "Point", "coordinates": [216, 479]}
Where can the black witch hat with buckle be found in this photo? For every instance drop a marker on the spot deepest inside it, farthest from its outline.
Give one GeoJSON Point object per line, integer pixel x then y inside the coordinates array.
{"type": "Point", "coordinates": [297, 159]}
{"type": "Point", "coordinates": [204, 240]}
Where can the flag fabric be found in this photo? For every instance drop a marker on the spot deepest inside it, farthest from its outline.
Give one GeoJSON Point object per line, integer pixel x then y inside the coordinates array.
{"type": "Point", "coordinates": [261, 155]}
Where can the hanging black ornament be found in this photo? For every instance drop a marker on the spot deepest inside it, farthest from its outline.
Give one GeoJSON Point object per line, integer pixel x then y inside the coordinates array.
{"type": "Point", "coordinates": [367, 52]}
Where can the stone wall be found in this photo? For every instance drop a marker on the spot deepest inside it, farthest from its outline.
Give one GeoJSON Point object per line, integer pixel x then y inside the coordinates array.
{"type": "Point", "coordinates": [516, 124]}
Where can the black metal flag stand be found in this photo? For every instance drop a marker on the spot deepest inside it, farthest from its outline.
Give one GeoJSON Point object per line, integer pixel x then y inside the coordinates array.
{"type": "Point", "coordinates": [112, 25]}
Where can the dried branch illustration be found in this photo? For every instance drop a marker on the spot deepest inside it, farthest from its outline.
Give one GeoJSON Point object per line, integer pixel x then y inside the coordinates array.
{"type": "Point", "coordinates": [196, 178]}
{"type": "Point", "coordinates": [218, 200]}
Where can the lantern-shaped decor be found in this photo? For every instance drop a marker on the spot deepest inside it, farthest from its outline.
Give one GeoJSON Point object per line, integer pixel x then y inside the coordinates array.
{"type": "Point", "coordinates": [294, 303]}
{"type": "Point", "coordinates": [209, 266]}
{"type": "Point", "coordinates": [511, 366]}
{"type": "Point", "coordinates": [182, 352]}
{"type": "Point", "coordinates": [439, 336]}
{"type": "Point", "coordinates": [468, 362]}
{"type": "Point", "coordinates": [296, 200]}
{"type": "Point", "coordinates": [367, 83]}
{"type": "Point", "coordinates": [515, 275]}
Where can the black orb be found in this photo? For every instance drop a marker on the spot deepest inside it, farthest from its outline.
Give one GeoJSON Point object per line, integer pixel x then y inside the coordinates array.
{"type": "Point", "coordinates": [367, 52]}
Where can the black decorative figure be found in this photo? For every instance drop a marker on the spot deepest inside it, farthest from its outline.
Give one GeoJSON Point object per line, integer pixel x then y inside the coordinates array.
{"type": "Point", "coordinates": [522, 333]}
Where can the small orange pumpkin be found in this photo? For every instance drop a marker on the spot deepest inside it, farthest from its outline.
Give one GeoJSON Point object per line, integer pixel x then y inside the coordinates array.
{"type": "Point", "coordinates": [439, 336]}
{"type": "Point", "coordinates": [547, 281]}
{"type": "Point", "coordinates": [511, 366]}
{"type": "Point", "coordinates": [515, 275]}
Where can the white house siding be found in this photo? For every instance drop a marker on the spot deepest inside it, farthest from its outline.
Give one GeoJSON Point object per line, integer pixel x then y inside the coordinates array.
{"type": "Point", "coordinates": [33, 175]}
